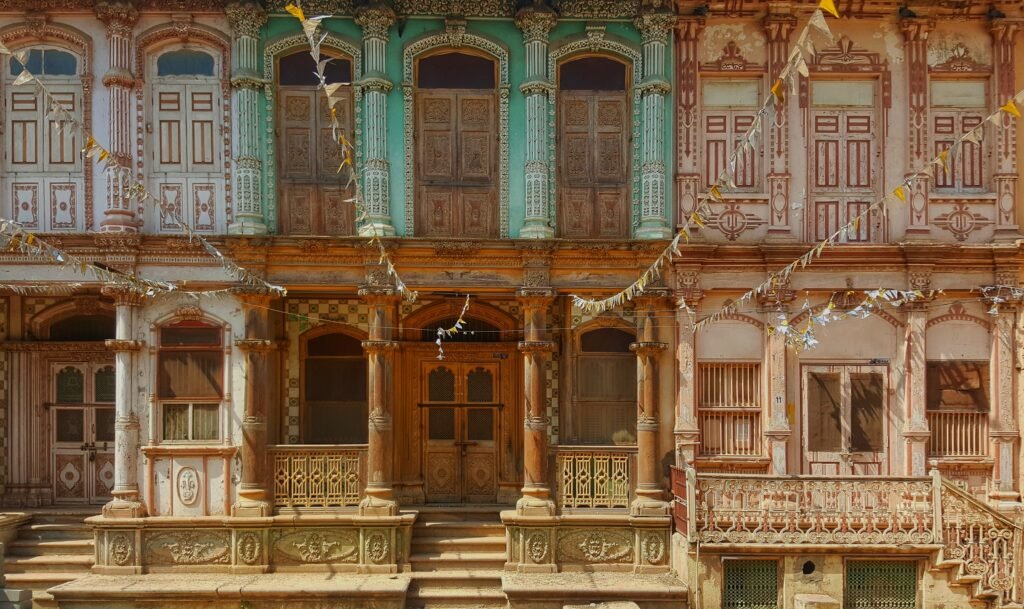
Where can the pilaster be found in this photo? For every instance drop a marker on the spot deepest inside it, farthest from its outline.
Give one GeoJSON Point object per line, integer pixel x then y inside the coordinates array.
{"type": "Point", "coordinates": [778, 27]}
{"type": "Point", "coordinates": [1005, 434]}
{"type": "Point", "coordinates": [379, 499]}
{"type": "Point", "coordinates": [650, 494]}
{"type": "Point", "coordinates": [536, 22]}
{"type": "Point", "coordinates": [915, 430]}
{"type": "Point", "coordinates": [1004, 33]}
{"type": "Point", "coordinates": [127, 502]}
{"type": "Point", "coordinates": [688, 179]}
{"type": "Point", "coordinates": [536, 349]}
{"type": "Point", "coordinates": [376, 19]}
{"type": "Point", "coordinates": [915, 44]}
{"type": "Point", "coordinates": [686, 430]}
{"type": "Point", "coordinates": [246, 19]}
{"type": "Point", "coordinates": [778, 431]}
{"type": "Point", "coordinates": [655, 26]}
{"type": "Point", "coordinates": [120, 18]}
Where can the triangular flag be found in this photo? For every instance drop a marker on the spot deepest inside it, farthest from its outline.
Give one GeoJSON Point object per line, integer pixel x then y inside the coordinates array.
{"type": "Point", "coordinates": [829, 7]}
{"type": "Point", "coordinates": [972, 136]}
{"type": "Point", "coordinates": [1011, 109]}
{"type": "Point", "coordinates": [944, 159]}
{"type": "Point", "coordinates": [4, 50]}
{"type": "Point", "coordinates": [818, 22]}
{"type": "Point", "coordinates": [23, 78]}
{"type": "Point", "coordinates": [295, 11]}
{"type": "Point", "coordinates": [801, 67]}
{"type": "Point", "coordinates": [715, 193]}
{"type": "Point", "coordinates": [902, 196]}
{"type": "Point", "coordinates": [778, 90]}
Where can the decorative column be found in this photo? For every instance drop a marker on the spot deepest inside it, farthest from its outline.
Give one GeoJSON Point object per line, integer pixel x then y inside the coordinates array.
{"type": "Point", "coordinates": [536, 21]}
{"type": "Point", "coordinates": [686, 430]}
{"type": "Point", "coordinates": [688, 177]}
{"type": "Point", "coordinates": [778, 430]}
{"type": "Point", "coordinates": [376, 19]}
{"type": "Point", "coordinates": [260, 381]}
{"type": "Point", "coordinates": [778, 26]}
{"type": "Point", "coordinates": [380, 351]}
{"type": "Point", "coordinates": [120, 18]}
{"type": "Point", "coordinates": [915, 430]}
{"type": "Point", "coordinates": [1005, 175]}
{"type": "Point", "coordinates": [246, 19]}
{"type": "Point", "coordinates": [1002, 420]}
{"type": "Point", "coordinates": [654, 25]}
{"type": "Point", "coordinates": [650, 494]}
{"type": "Point", "coordinates": [536, 349]}
{"type": "Point", "coordinates": [126, 502]}
{"type": "Point", "coordinates": [915, 42]}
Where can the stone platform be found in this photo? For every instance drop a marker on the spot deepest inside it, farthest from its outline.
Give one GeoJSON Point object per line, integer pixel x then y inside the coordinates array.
{"type": "Point", "coordinates": [559, 590]}
{"type": "Point", "coordinates": [231, 591]}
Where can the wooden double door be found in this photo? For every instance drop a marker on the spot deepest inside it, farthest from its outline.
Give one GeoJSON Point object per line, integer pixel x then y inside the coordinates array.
{"type": "Point", "coordinates": [460, 409]}
{"type": "Point", "coordinates": [845, 420]}
{"type": "Point", "coordinates": [83, 432]}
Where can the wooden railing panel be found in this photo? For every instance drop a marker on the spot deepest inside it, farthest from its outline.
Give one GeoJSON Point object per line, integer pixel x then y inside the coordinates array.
{"type": "Point", "coordinates": [594, 477]}
{"type": "Point", "coordinates": [958, 433]}
{"type": "Point", "coordinates": [314, 476]}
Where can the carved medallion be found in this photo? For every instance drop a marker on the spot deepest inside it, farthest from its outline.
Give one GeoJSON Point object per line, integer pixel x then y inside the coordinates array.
{"type": "Point", "coordinates": [189, 547]}
{"type": "Point", "coordinates": [249, 548]}
{"type": "Point", "coordinates": [120, 550]}
{"type": "Point", "coordinates": [596, 546]}
{"type": "Point", "coordinates": [653, 548]}
{"type": "Point", "coordinates": [318, 547]}
{"type": "Point", "coordinates": [377, 547]}
{"type": "Point", "coordinates": [188, 485]}
{"type": "Point", "coordinates": [537, 547]}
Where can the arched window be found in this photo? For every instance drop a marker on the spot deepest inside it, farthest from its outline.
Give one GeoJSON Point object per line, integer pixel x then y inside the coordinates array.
{"type": "Point", "coordinates": [83, 328]}
{"type": "Point", "coordinates": [593, 148]}
{"type": "Point", "coordinates": [190, 381]}
{"type": "Point", "coordinates": [456, 145]}
{"type": "Point", "coordinates": [187, 118]}
{"type": "Point", "coordinates": [43, 172]}
{"type": "Point", "coordinates": [313, 194]}
{"type": "Point", "coordinates": [334, 390]}
{"type": "Point", "coordinates": [605, 404]}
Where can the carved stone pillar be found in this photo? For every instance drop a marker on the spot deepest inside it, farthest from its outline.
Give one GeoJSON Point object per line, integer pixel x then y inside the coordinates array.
{"type": "Point", "coordinates": [686, 430]}
{"type": "Point", "coordinates": [654, 26]}
{"type": "Point", "coordinates": [536, 349]}
{"type": "Point", "coordinates": [778, 430]}
{"type": "Point", "coordinates": [376, 19]}
{"type": "Point", "coordinates": [915, 431]}
{"type": "Point", "coordinates": [688, 178]}
{"type": "Point", "coordinates": [260, 370]}
{"type": "Point", "coordinates": [536, 21]}
{"type": "Point", "coordinates": [126, 502]}
{"type": "Point", "coordinates": [1002, 422]}
{"type": "Point", "coordinates": [1005, 175]}
{"type": "Point", "coordinates": [915, 43]}
{"type": "Point", "coordinates": [120, 17]}
{"type": "Point", "coordinates": [778, 27]}
{"type": "Point", "coordinates": [650, 494]}
{"type": "Point", "coordinates": [246, 19]}
{"type": "Point", "coordinates": [380, 351]}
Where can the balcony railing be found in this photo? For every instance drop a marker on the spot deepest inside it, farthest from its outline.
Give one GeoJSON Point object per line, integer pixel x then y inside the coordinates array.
{"type": "Point", "coordinates": [318, 476]}
{"type": "Point", "coordinates": [958, 433]}
{"type": "Point", "coordinates": [985, 542]}
{"type": "Point", "coordinates": [594, 477]}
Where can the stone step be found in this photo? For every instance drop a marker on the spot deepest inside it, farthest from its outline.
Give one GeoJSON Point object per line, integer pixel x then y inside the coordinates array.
{"type": "Point", "coordinates": [449, 529]}
{"type": "Point", "coordinates": [425, 545]}
{"type": "Point", "coordinates": [457, 560]}
{"type": "Point", "coordinates": [48, 562]}
{"type": "Point", "coordinates": [38, 547]}
{"type": "Point", "coordinates": [42, 580]}
{"type": "Point", "coordinates": [481, 578]}
{"type": "Point", "coordinates": [461, 514]}
{"type": "Point", "coordinates": [66, 530]}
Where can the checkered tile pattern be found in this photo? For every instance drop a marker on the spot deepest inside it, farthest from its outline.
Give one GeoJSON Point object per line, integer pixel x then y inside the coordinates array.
{"type": "Point", "coordinates": [551, 382]}
{"type": "Point", "coordinates": [32, 306]}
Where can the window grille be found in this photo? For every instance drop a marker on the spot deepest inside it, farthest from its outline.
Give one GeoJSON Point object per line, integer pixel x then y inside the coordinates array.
{"type": "Point", "coordinates": [751, 584]}
{"type": "Point", "coordinates": [877, 584]}
{"type": "Point", "coordinates": [729, 410]}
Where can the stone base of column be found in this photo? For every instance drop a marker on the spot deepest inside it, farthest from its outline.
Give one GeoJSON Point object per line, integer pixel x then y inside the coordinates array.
{"type": "Point", "coordinates": [782, 234]}
{"type": "Point", "coordinates": [128, 506]}
{"type": "Point", "coordinates": [648, 503]}
{"type": "Point", "coordinates": [535, 502]}
{"type": "Point", "coordinates": [380, 227]}
{"type": "Point", "coordinates": [118, 221]}
{"type": "Point", "coordinates": [1006, 233]}
{"type": "Point", "coordinates": [247, 225]}
{"type": "Point", "coordinates": [252, 503]}
{"type": "Point", "coordinates": [653, 230]}
{"type": "Point", "coordinates": [378, 505]}
{"type": "Point", "coordinates": [536, 229]}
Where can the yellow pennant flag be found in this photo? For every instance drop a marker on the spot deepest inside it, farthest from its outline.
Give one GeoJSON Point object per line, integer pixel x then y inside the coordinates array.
{"type": "Point", "coordinates": [829, 6]}
{"type": "Point", "coordinates": [778, 90]}
{"type": "Point", "coordinates": [295, 11]}
{"type": "Point", "coordinates": [695, 218]}
{"type": "Point", "coordinates": [1011, 109]}
{"type": "Point", "coordinates": [715, 193]}
{"type": "Point", "coordinates": [944, 157]}
{"type": "Point", "coordinates": [902, 196]}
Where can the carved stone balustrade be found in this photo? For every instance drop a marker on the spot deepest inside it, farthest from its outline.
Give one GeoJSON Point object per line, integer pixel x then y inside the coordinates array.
{"type": "Point", "coordinates": [594, 477]}
{"type": "Point", "coordinates": [317, 476]}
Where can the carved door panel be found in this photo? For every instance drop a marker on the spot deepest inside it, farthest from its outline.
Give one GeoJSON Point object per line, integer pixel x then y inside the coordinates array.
{"type": "Point", "coordinates": [845, 411]}
{"type": "Point", "coordinates": [83, 432]}
{"type": "Point", "coordinates": [71, 468]}
{"type": "Point", "coordinates": [593, 164]}
{"type": "Point", "coordinates": [456, 163]}
{"type": "Point", "coordinates": [43, 163]}
{"type": "Point", "coordinates": [845, 162]}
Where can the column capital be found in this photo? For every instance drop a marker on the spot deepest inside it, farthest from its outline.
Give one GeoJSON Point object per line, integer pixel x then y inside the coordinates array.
{"type": "Point", "coordinates": [246, 18]}
{"type": "Point", "coordinates": [124, 295]}
{"type": "Point", "coordinates": [1003, 30]}
{"type": "Point", "coordinates": [778, 26]}
{"type": "Point", "coordinates": [689, 27]}
{"type": "Point", "coordinates": [255, 297]}
{"type": "Point", "coordinates": [533, 347]}
{"type": "Point", "coordinates": [654, 25]}
{"type": "Point", "coordinates": [376, 19]}
{"type": "Point", "coordinates": [536, 297]}
{"type": "Point", "coordinates": [119, 16]}
{"type": "Point", "coordinates": [916, 29]}
{"type": "Point", "coordinates": [257, 345]}
{"type": "Point", "coordinates": [652, 297]}
{"type": "Point", "coordinates": [379, 346]}
{"type": "Point", "coordinates": [647, 348]}
{"type": "Point", "coordinates": [536, 21]}
{"type": "Point", "coordinates": [119, 345]}
{"type": "Point", "coordinates": [379, 295]}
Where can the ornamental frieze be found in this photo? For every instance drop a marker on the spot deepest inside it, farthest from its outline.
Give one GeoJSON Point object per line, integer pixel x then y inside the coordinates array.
{"type": "Point", "coordinates": [595, 546]}
{"type": "Point", "coordinates": [188, 548]}
{"type": "Point", "coordinates": [321, 546]}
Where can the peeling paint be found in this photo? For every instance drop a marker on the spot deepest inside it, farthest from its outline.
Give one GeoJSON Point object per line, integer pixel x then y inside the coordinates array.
{"type": "Point", "coordinates": [751, 41]}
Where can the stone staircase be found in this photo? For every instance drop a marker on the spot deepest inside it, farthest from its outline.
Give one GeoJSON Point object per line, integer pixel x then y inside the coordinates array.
{"type": "Point", "coordinates": [457, 559]}
{"type": "Point", "coordinates": [54, 548]}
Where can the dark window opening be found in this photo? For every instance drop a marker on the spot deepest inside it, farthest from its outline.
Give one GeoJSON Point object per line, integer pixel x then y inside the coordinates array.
{"type": "Point", "coordinates": [47, 62]}
{"type": "Point", "coordinates": [83, 328]}
{"type": "Point", "coordinates": [184, 62]}
{"type": "Point", "coordinates": [606, 340]}
{"type": "Point", "coordinates": [456, 71]}
{"type": "Point", "coordinates": [299, 70]}
{"type": "Point", "coordinates": [592, 74]}
{"type": "Point", "coordinates": [473, 331]}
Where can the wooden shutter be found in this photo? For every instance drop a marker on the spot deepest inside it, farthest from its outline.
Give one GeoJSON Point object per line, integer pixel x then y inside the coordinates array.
{"type": "Point", "coordinates": [844, 172]}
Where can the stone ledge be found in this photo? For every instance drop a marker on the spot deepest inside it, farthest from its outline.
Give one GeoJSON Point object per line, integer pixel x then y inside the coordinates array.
{"type": "Point", "coordinates": [556, 590]}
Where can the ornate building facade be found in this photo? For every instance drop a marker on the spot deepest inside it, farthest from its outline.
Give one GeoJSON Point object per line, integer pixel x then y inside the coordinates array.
{"type": "Point", "coordinates": [322, 449]}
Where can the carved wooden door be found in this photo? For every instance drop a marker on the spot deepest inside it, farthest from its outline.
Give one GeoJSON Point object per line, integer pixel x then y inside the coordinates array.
{"type": "Point", "coordinates": [83, 432]}
{"type": "Point", "coordinates": [460, 416]}
{"type": "Point", "coordinates": [313, 192]}
{"type": "Point", "coordinates": [845, 412]}
{"type": "Point", "coordinates": [43, 165]}
{"type": "Point", "coordinates": [845, 160]}
{"type": "Point", "coordinates": [187, 155]}
{"type": "Point", "coordinates": [456, 154]}
{"type": "Point", "coordinates": [593, 164]}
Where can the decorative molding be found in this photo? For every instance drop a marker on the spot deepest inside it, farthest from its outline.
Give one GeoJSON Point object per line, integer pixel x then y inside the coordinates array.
{"type": "Point", "coordinates": [731, 60]}
{"type": "Point", "coordinates": [957, 312]}
{"type": "Point", "coordinates": [960, 61]}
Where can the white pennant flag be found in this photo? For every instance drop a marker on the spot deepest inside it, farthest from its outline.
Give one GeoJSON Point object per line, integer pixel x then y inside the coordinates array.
{"type": "Point", "coordinates": [973, 136]}
{"type": "Point", "coordinates": [4, 50]}
{"type": "Point", "coordinates": [24, 77]}
{"type": "Point", "coordinates": [818, 22]}
{"type": "Point", "coordinates": [801, 67]}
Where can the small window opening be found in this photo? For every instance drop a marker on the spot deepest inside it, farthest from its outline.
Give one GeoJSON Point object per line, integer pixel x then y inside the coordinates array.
{"type": "Point", "coordinates": [455, 71]}
{"type": "Point", "coordinates": [592, 74]}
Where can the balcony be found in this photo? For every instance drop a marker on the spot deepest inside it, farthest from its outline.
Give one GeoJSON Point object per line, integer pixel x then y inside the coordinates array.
{"type": "Point", "coordinates": [317, 476]}
{"type": "Point", "coordinates": [594, 477]}
{"type": "Point", "coordinates": [958, 433]}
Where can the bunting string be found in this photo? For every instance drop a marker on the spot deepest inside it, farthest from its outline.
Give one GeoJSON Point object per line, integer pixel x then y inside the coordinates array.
{"type": "Point", "coordinates": [23, 241]}
{"type": "Point", "coordinates": [443, 333]}
{"type": "Point", "coordinates": [311, 29]}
